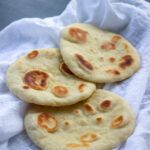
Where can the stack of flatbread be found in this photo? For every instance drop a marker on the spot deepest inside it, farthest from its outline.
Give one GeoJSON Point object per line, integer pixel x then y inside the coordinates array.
{"type": "Point", "coordinates": [67, 111]}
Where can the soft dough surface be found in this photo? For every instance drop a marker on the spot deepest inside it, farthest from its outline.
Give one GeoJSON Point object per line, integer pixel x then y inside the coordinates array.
{"type": "Point", "coordinates": [41, 77]}
{"type": "Point", "coordinates": [102, 122]}
{"type": "Point", "coordinates": [97, 55]}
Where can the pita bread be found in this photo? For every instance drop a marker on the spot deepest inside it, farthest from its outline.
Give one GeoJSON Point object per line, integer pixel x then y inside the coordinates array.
{"type": "Point", "coordinates": [41, 77]}
{"type": "Point", "coordinates": [97, 55]}
{"type": "Point", "coordinates": [88, 125]}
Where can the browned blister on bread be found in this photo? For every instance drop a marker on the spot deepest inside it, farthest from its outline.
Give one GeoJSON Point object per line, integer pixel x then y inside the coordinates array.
{"type": "Point", "coordinates": [36, 79]}
{"type": "Point", "coordinates": [112, 59]}
{"type": "Point", "coordinates": [32, 54]}
{"type": "Point", "coordinates": [78, 34]}
{"type": "Point", "coordinates": [83, 63]}
{"type": "Point", "coordinates": [119, 121]}
{"type": "Point", "coordinates": [26, 87]}
{"type": "Point", "coordinates": [47, 121]}
{"type": "Point", "coordinates": [77, 145]}
{"type": "Point", "coordinates": [89, 108]}
{"type": "Point", "coordinates": [88, 137]}
{"type": "Point", "coordinates": [113, 71]}
{"type": "Point", "coordinates": [108, 46]}
{"type": "Point", "coordinates": [105, 105]}
{"type": "Point", "coordinates": [60, 91]}
{"type": "Point", "coordinates": [126, 61]}
{"type": "Point", "coordinates": [116, 38]}
{"type": "Point", "coordinates": [99, 120]}
{"type": "Point", "coordinates": [81, 87]}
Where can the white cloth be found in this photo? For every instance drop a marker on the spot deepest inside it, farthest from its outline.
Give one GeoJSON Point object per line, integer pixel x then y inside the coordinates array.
{"type": "Point", "coordinates": [131, 18]}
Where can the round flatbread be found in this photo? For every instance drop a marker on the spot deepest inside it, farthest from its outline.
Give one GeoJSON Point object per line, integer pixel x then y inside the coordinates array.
{"type": "Point", "coordinates": [97, 55]}
{"type": "Point", "coordinates": [88, 125]}
{"type": "Point", "coordinates": [41, 77]}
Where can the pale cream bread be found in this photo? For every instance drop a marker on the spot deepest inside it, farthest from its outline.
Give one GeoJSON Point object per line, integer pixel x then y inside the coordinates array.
{"type": "Point", "coordinates": [97, 55]}
{"type": "Point", "coordinates": [102, 122]}
{"type": "Point", "coordinates": [41, 77]}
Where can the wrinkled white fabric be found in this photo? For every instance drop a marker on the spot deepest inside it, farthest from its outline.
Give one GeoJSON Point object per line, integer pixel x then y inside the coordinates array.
{"type": "Point", "coordinates": [131, 18]}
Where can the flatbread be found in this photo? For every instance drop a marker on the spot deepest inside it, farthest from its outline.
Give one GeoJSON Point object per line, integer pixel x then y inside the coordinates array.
{"type": "Point", "coordinates": [97, 55]}
{"type": "Point", "coordinates": [41, 77]}
{"type": "Point", "coordinates": [102, 122]}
